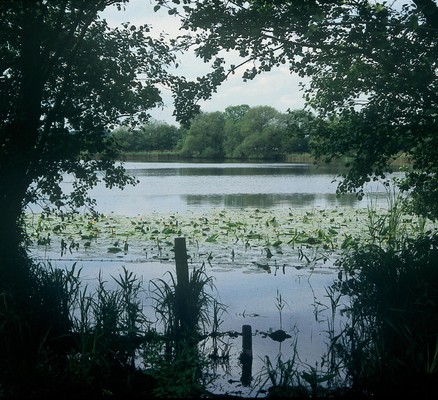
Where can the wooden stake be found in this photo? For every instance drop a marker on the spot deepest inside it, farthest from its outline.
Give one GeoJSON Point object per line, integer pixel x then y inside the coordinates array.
{"type": "Point", "coordinates": [246, 356]}
{"type": "Point", "coordinates": [182, 268]}
{"type": "Point", "coordinates": [182, 286]}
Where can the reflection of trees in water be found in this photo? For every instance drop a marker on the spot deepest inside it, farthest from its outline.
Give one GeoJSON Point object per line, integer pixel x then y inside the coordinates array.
{"type": "Point", "coordinates": [224, 169]}
{"type": "Point", "coordinates": [295, 200]}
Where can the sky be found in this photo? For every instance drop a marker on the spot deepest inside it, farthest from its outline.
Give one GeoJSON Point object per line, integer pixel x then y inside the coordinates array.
{"type": "Point", "coordinates": [279, 88]}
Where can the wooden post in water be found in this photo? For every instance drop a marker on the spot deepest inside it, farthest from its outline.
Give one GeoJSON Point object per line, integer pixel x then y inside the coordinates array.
{"type": "Point", "coordinates": [182, 286]}
{"type": "Point", "coordinates": [246, 355]}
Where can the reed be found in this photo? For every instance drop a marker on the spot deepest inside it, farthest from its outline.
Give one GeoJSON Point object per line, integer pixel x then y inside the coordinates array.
{"type": "Point", "coordinates": [200, 302]}
{"type": "Point", "coordinates": [178, 364]}
{"type": "Point", "coordinates": [109, 330]}
{"type": "Point", "coordinates": [384, 229]}
{"type": "Point", "coordinates": [386, 293]}
{"type": "Point", "coordinates": [282, 379]}
{"type": "Point", "coordinates": [279, 304]}
{"type": "Point", "coordinates": [389, 343]}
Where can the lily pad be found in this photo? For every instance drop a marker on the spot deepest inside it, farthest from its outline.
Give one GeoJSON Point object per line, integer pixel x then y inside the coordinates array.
{"type": "Point", "coordinates": [114, 249]}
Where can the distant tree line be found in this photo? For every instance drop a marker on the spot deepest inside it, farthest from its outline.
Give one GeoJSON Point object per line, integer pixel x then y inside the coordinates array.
{"type": "Point", "coordinates": [240, 132]}
{"type": "Point", "coordinates": [153, 136]}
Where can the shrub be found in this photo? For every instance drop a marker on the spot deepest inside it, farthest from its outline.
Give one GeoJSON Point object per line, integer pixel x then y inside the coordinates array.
{"type": "Point", "coordinates": [390, 343]}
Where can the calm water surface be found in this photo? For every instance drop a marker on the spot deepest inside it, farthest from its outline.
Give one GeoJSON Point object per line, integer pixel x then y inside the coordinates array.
{"type": "Point", "coordinates": [175, 187]}
{"type": "Point", "coordinates": [251, 296]}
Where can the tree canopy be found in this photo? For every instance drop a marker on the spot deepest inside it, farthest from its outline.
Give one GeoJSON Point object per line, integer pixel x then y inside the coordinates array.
{"type": "Point", "coordinates": [243, 132]}
{"type": "Point", "coordinates": [153, 136]}
{"type": "Point", "coordinates": [372, 70]}
{"type": "Point", "coordinates": [66, 79]}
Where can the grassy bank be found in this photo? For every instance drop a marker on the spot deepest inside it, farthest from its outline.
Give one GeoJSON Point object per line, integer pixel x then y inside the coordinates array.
{"type": "Point", "coordinates": [175, 156]}
{"type": "Point", "coordinates": [152, 156]}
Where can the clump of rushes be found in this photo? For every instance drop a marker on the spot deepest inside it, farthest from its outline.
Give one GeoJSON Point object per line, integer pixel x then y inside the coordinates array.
{"type": "Point", "coordinates": [385, 228]}
{"type": "Point", "coordinates": [109, 330]}
{"type": "Point", "coordinates": [200, 302]}
{"type": "Point", "coordinates": [33, 328]}
{"type": "Point", "coordinates": [178, 365]}
{"type": "Point", "coordinates": [72, 343]}
{"type": "Point", "coordinates": [389, 345]}
{"type": "Point", "coordinates": [282, 379]}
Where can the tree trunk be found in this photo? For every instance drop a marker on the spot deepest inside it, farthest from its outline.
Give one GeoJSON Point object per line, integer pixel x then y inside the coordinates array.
{"type": "Point", "coordinates": [12, 254]}
{"type": "Point", "coordinates": [18, 140]}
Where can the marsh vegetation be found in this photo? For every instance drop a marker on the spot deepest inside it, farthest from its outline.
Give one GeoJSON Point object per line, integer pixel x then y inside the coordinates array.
{"type": "Point", "coordinates": [354, 244]}
{"type": "Point", "coordinates": [69, 78]}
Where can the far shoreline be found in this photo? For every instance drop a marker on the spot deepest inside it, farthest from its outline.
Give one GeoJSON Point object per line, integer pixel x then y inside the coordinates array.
{"type": "Point", "coordinates": [304, 158]}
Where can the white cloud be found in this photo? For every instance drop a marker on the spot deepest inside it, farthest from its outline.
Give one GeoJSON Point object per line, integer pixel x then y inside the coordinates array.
{"type": "Point", "coordinates": [274, 89]}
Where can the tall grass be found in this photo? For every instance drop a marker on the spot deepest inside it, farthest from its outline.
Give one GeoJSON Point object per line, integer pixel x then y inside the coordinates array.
{"type": "Point", "coordinates": [390, 284]}
{"type": "Point", "coordinates": [387, 292]}
{"type": "Point", "coordinates": [385, 229]}
{"type": "Point", "coordinates": [73, 342]}
{"type": "Point", "coordinates": [109, 330]}
{"type": "Point", "coordinates": [33, 329]}
{"type": "Point", "coordinates": [200, 300]}
{"type": "Point", "coordinates": [391, 340]}
{"type": "Point", "coordinates": [178, 365]}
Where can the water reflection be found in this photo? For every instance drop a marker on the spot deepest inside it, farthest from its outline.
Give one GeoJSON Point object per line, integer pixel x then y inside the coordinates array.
{"type": "Point", "coordinates": [228, 169]}
{"type": "Point", "coordinates": [177, 187]}
{"type": "Point", "coordinates": [304, 316]}
{"type": "Point", "coordinates": [293, 200]}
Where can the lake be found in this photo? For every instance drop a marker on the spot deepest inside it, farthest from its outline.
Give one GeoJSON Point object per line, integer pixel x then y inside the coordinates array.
{"type": "Point", "coordinates": [176, 187]}
{"type": "Point", "coordinates": [195, 190]}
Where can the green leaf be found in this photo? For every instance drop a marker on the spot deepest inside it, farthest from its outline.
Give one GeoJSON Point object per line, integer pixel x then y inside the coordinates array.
{"type": "Point", "coordinates": [212, 238]}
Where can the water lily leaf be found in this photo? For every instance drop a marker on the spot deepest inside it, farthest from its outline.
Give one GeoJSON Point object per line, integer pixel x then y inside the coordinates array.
{"type": "Point", "coordinates": [312, 240]}
{"type": "Point", "coordinates": [212, 238]}
{"type": "Point", "coordinates": [348, 241]}
{"type": "Point", "coordinates": [170, 231]}
{"type": "Point", "coordinates": [254, 236]}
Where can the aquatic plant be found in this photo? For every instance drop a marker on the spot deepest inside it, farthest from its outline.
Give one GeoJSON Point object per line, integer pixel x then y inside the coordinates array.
{"type": "Point", "coordinates": [201, 303]}
{"type": "Point", "coordinates": [228, 236]}
{"type": "Point", "coordinates": [389, 343]}
{"type": "Point", "coordinates": [179, 366]}
{"type": "Point", "coordinates": [385, 228]}
{"type": "Point", "coordinates": [364, 242]}
{"type": "Point", "coordinates": [109, 328]}
{"type": "Point", "coordinates": [282, 379]}
{"type": "Point", "coordinates": [280, 303]}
